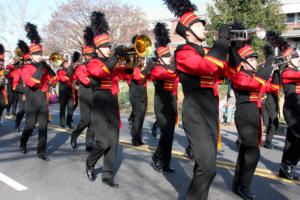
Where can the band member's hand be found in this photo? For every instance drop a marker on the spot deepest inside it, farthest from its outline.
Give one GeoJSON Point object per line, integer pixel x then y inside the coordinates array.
{"type": "Point", "coordinates": [120, 51]}
{"type": "Point", "coordinates": [268, 50]}
{"type": "Point", "coordinates": [2, 81]}
{"type": "Point", "coordinates": [224, 31]}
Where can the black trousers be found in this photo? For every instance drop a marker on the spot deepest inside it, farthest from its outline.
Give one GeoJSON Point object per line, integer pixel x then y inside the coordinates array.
{"type": "Point", "coordinates": [12, 99]}
{"type": "Point", "coordinates": [291, 151]}
{"type": "Point", "coordinates": [200, 123]}
{"type": "Point", "coordinates": [85, 104]}
{"type": "Point", "coordinates": [165, 107]}
{"type": "Point", "coordinates": [271, 105]}
{"type": "Point", "coordinates": [21, 109]}
{"type": "Point", "coordinates": [2, 104]}
{"type": "Point", "coordinates": [105, 123]}
{"type": "Point", "coordinates": [265, 114]}
{"type": "Point", "coordinates": [36, 109]}
{"type": "Point", "coordinates": [66, 102]}
{"type": "Point", "coordinates": [291, 111]}
{"type": "Point", "coordinates": [247, 119]}
{"type": "Point", "coordinates": [138, 100]}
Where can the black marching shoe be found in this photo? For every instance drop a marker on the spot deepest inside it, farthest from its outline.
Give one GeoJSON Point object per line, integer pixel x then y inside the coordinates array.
{"type": "Point", "coordinates": [134, 142]}
{"type": "Point", "coordinates": [268, 145]}
{"type": "Point", "coordinates": [237, 144]}
{"type": "Point", "coordinates": [23, 148]}
{"type": "Point", "coordinates": [156, 164]}
{"type": "Point", "coordinates": [73, 141]}
{"type": "Point", "coordinates": [189, 153]}
{"type": "Point", "coordinates": [43, 157]}
{"type": "Point", "coordinates": [69, 126]}
{"type": "Point", "coordinates": [244, 193]}
{"type": "Point", "coordinates": [168, 169]}
{"type": "Point", "coordinates": [17, 127]}
{"type": "Point", "coordinates": [110, 182]}
{"type": "Point", "coordinates": [287, 171]}
{"type": "Point", "coordinates": [154, 131]}
{"type": "Point", "coordinates": [90, 172]}
{"type": "Point", "coordinates": [140, 142]}
{"type": "Point", "coordinates": [88, 148]}
{"type": "Point", "coordinates": [62, 126]}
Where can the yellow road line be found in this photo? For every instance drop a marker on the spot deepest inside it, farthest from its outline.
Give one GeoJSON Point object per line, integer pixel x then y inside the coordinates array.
{"type": "Point", "coordinates": [177, 154]}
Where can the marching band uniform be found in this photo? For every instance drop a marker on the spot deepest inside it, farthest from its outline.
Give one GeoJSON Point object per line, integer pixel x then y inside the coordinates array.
{"type": "Point", "coordinates": [105, 118]}
{"type": "Point", "coordinates": [165, 80]}
{"type": "Point", "coordinates": [291, 109]}
{"type": "Point", "coordinates": [249, 88]}
{"type": "Point", "coordinates": [36, 76]}
{"type": "Point", "coordinates": [19, 86]}
{"type": "Point", "coordinates": [138, 100]}
{"type": "Point", "coordinates": [272, 109]}
{"type": "Point", "coordinates": [3, 95]}
{"type": "Point", "coordinates": [66, 95]}
{"type": "Point", "coordinates": [85, 98]}
{"type": "Point", "coordinates": [199, 76]}
{"type": "Point", "coordinates": [11, 94]}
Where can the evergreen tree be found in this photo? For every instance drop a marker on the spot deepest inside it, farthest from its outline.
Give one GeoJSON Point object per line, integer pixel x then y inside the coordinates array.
{"type": "Point", "coordinates": [251, 13]}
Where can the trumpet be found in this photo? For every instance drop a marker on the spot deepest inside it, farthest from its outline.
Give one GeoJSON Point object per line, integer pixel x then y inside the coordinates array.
{"type": "Point", "coordinates": [245, 35]}
{"type": "Point", "coordinates": [56, 58]}
{"type": "Point", "coordinates": [142, 48]}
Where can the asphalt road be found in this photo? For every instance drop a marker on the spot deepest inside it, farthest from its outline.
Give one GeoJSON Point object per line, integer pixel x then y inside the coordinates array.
{"type": "Point", "coordinates": [25, 177]}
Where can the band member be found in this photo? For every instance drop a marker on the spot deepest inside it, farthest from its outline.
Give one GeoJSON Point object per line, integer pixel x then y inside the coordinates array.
{"type": "Point", "coordinates": [11, 94]}
{"type": "Point", "coordinates": [138, 99]}
{"type": "Point", "coordinates": [66, 94]}
{"type": "Point", "coordinates": [271, 107]}
{"type": "Point", "coordinates": [291, 110]}
{"type": "Point", "coordinates": [18, 84]}
{"type": "Point", "coordinates": [199, 75]}
{"type": "Point", "coordinates": [36, 76]}
{"type": "Point", "coordinates": [85, 93]}
{"type": "Point", "coordinates": [249, 87]}
{"type": "Point", "coordinates": [3, 72]}
{"type": "Point", "coordinates": [105, 119]}
{"type": "Point", "coordinates": [165, 81]}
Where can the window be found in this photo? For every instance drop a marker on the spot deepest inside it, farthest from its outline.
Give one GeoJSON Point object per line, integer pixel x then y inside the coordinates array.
{"type": "Point", "coordinates": [298, 17]}
{"type": "Point", "coordinates": [291, 18]}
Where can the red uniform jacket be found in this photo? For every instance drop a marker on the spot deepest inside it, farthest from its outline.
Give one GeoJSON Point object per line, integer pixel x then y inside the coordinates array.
{"type": "Point", "coordinates": [27, 73]}
{"type": "Point", "coordinates": [81, 75]}
{"type": "Point", "coordinates": [62, 77]}
{"type": "Point", "coordinates": [12, 73]}
{"type": "Point", "coordinates": [291, 77]}
{"type": "Point", "coordinates": [208, 69]}
{"type": "Point", "coordinates": [169, 77]}
{"type": "Point", "coordinates": [254, 86]}
{"type": "Point", "coordinates": [137, 75]}
{"type": "Point", "coordinates": [2, 88]}
{"type": "Point", "coordinates": [108, 80]}
{"type": "Point", "coordinates": [17, 81]}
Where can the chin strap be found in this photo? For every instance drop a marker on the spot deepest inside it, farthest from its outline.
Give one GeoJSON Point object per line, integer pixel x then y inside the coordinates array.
{"type": "Point", "coordinates": [102, 53]}
{"type": "Point", "coordinates": [244, 60]}
{"type": "Point", "coordinates": [194, 34]}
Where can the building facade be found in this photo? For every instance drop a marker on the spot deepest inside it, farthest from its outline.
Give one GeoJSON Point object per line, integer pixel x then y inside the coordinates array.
{"type": "Point", "coordinates": [291, 8]}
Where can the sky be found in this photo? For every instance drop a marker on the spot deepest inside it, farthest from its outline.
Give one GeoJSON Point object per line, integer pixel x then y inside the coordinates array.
{"type": "Point", "coordinates": [39, 12]}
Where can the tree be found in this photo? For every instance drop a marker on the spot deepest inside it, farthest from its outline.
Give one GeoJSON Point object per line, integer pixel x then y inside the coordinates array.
{"type": "Point", "coordinates": [64, 30]}
{"type": "Point", "coordinates": [250, 13]}
{"type": "Point", "coordinates": [12, 23]}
